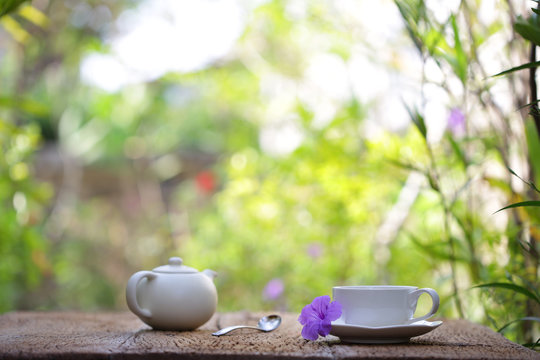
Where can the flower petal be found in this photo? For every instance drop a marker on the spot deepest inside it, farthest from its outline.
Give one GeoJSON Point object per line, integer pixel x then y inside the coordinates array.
{"type": "Point", "coordinates": [320, 305]}
{"type": "Point", "coordinates": [310, 331]}
{"type": "Point", "coordinates": [317, 317]}
{"type": "Point", "coordinates": [324, 327]}
{"type": "Point", "coordinates": [307, 315]}
{"type": "Point", "coordinates": [334, 311]}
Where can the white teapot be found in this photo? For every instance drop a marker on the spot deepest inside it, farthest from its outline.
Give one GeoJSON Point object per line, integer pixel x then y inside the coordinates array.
{"type": "Point", "coordinates": [173, 296]}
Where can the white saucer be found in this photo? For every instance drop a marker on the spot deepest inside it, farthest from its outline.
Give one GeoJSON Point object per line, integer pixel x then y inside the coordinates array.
{"type": "Point", "coordinates": [381, 335]}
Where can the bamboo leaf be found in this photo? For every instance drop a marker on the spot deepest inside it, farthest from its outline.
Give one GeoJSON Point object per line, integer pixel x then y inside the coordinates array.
{"type": "Point", "coordinates": [530, 183]}
{"type": "Point", "coordinates": [404, 165]}
{"type": "Point", "coordinates": [529, 104]}
{"type": "Point", "coordinates": [534, 203]}
{"type": "Point", "coordinates": [436, 251]}
{"type": "Point", "coordinates": [15, 29]}
{"type": "Point", "coordinates": [526, 318]}
{"type": "Point", "coordinates": [528, 29]}
{"type": "Point", "coordinates": [457, 149]}
{"type": "Point", "coordinates": [460, 64]}
{"type": "Point", "coordinates": [533, 345]}
{"type": "Point", "coordinates": [509, 286]}
{"type": "Point", "coordinates": [33, 15]}
{"type": "Point", "coordinates": [413, 14]}
{"type": "Point", "coordinates": [26, 105]}
{"type": "Point", "coordinates": [434, 39]}
{"type": "Point", "coordinates": [418, 120]}
{"type": "Point", "coordinates": [517, 68]}
{"type": "Point", "coordinates": [533, 143]}
{"type": "Point", "coordinates": [497, 183]}
{"type": "Point", "coordinates": [8, 6]}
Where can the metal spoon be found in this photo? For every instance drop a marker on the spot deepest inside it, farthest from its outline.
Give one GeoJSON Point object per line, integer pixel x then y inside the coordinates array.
{"type": "Point", "coordinates": [266, 324]}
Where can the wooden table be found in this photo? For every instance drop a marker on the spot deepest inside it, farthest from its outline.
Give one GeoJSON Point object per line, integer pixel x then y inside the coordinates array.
{"type": "Point", "coordinates": [121, 335]}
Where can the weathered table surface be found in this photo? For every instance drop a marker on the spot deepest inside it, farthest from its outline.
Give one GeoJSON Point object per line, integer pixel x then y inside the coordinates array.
{"type": "Point", "coordinates": [121, 335]}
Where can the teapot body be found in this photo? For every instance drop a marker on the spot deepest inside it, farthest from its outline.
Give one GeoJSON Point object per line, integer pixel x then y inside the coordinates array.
{"type": "Point", "coordinates": [172, 301]}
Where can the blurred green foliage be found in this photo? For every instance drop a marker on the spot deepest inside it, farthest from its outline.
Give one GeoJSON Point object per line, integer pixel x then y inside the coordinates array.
{"type": "Point", "coordinates": [95, 185]}
{"type": "Point", "coordinates": [23, 247]}
{"type": "Point", "coordinates": [9, 6]}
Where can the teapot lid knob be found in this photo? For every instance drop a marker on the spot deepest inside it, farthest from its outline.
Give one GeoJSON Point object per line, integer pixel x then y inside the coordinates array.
{"type": "Point", "coordinates": [175, 265]}
{"type": "Point", "coordinates": [175, 261]}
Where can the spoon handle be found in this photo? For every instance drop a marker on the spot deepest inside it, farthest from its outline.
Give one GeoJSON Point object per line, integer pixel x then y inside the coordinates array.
{"type": "Point", "coordinates": [231, 328]}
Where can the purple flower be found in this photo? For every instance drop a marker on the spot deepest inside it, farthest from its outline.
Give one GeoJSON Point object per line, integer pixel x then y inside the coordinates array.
{"type": "Point", "coordinates": [315, 250]}
{"type": "Point", "coordinates": [456, 122]}
{"type": "Point", "coordinates": [317, 317]}
{"type": "Point", "coordinates": [273, 289]}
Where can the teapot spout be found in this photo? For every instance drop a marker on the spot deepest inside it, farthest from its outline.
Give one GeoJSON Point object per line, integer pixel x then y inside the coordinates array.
{"type": "Point", "coordinates": [210, 273]}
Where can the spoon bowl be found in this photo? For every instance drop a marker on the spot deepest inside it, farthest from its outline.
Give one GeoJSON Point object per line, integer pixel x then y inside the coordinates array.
{"type": "Point", "coordinates": [269, 323]}
{"type": "Point", "coordinates": [266, 324]}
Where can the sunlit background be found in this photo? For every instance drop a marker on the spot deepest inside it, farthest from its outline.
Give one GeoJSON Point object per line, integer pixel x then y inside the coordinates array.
{"type": "Point", "coordinates": [291, 146]}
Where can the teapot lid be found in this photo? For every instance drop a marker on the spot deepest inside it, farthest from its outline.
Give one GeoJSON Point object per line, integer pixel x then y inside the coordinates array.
{"type": "Point", "coordinates": [175, 266]}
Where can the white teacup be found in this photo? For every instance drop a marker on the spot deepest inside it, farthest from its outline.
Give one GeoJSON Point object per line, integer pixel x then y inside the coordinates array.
{"type": "Point", "coordinates": [381, 305]}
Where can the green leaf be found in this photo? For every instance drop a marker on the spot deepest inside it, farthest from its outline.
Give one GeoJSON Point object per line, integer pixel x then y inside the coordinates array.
{"type": "Point", "coordinates": [533, 345]}
{"type": "Point", "coordinates": [530, 183]}
{"type": "Point", "coordinates": [529, 104]}
{"type": "Point", "coordinates": [526, 318]}
{"type": "Point", "coordinates": [533, 143]}
{"type": "Point", "coordinates": [8, 6]}
{"type": "Point", "coordinates": [436, 250]}
{"type": "Point", "coordinates": [432, 181]}
{"type": "Point", "coordinates": [517, 288]}
{"type": "Point", "coordinates": [413, 14]}
{"type": "Point", "coordinates": [26, 105]}
{"type": "Point", "coordinates": [460, 64]}
{"type": "Point", "coordinates": [534, 203]}
{"type": "Point", "coordinates": [534, 111]}
{"type": "Point", "coordinates": [457, 149]}
{"type": "Point", "coordinates": [418, 120]}
{"type": "Point", "coordinates": [404, 165]}
{"type": "Point", "coordinates": [520, 67]}
{"type": "Point", "coordinates": [33, 15]}
{"type": "Point", "coordinates": [434, 39]}
{"type": "Point", "coordinates": [498, 183]}
{"type": "Point", "coordinates": [528, 29]}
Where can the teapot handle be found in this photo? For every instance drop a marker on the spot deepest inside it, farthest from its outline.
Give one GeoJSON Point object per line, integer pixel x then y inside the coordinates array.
{"type": "Point", "coordinates": [131, 293]}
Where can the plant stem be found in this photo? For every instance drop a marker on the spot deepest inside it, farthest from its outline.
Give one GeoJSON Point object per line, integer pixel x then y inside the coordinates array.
{"type": "Point", "coordinates": [450, 239]}
{"type": "Point", "coordinates": [532, 86]}
{"type": "Point", "coordinates": [531, 257]}
{"type": "Point", "coordinates": [436, 179]}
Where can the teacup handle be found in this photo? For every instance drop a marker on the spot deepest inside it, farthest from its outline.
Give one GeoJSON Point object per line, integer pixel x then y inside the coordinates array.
{"type": "Point", "coordinates": [131, 293]}
{"type": "Point", "coordinates": [414, 295]}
